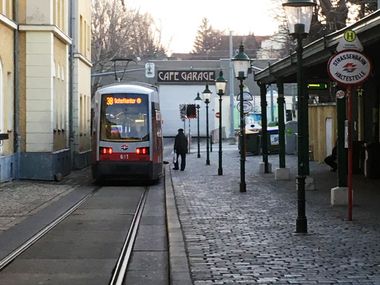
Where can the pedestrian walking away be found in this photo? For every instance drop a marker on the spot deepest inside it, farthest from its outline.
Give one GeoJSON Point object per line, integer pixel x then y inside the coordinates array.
{"type": "Point", "coordinates": [180, 149]}
{"type": "Point", "coordinates": [331, 159]}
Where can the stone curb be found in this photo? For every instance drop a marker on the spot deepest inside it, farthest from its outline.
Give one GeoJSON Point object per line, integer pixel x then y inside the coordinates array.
{"type": "Point", "coordinates": [179, 270]}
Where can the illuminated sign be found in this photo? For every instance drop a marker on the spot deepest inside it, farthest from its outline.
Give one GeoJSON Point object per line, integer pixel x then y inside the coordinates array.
{"type": "Point", "coordinates": [186, 76]}
{"type": "Point", "coordinates": [128, 101]}
{"type": "Point", "coordinates": [317, 86]}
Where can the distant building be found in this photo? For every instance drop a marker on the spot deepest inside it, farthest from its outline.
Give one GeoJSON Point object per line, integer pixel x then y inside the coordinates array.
{"type": "Point", "coordinates": [41, 86]}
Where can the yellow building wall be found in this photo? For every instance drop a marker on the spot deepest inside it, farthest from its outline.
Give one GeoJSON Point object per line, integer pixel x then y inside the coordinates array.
{"type": "Point", "coordinates": [22, 90]}
{"type": "Point", "coordinates": [82, 78]}
{"type": "Point", "coordinates": [39, 88]}
{"type": "Point", "coordinates": [84, 28]}
{"type": "Point", "coordinates": [60, 96]}
{"type": "Point", "coordinates": [84, 106]}
{"type": "Point", "coordinates": [6, 59]}
{"type": "Point", "coordinates": [318, 114]}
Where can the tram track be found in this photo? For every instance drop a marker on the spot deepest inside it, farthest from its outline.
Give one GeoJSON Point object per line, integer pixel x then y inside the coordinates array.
{"type": "Point", "coordinates": [99, 229]}
{"type": "Point", "coordinates": [120, 270]}
{"type": "Point", "coordinates": [23, 247]}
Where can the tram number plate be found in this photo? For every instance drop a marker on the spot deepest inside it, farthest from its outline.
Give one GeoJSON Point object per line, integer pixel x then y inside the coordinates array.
{"type": "Point", "coordinates": [123, 156]}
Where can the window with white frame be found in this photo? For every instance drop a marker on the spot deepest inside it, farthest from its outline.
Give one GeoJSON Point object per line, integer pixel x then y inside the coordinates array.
{"type": "Point", "coordinates": [6, 8]}
{"type": "Point", "coordinates": [59, 14]}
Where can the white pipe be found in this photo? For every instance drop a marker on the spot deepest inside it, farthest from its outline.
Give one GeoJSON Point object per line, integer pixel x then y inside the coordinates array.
{"type": "Point", "coordinates": [232, 90]}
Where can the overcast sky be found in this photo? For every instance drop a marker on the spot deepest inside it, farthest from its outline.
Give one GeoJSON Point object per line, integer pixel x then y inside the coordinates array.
{"type": "Point", "coordinates": [179, 20]}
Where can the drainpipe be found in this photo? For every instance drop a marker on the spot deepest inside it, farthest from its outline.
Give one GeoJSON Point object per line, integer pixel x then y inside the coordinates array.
{"type": "Point", "coordinates": [232, 90]}
{"type": "Point", "coordinates": [72, 16]}
{"type": "Point", "coordinates": [16, 90]}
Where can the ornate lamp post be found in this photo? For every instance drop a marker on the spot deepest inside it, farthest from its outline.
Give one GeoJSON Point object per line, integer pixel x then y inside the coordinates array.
{"type": "Point", "coordinates": [198, 98]}
{"type": "Point", "coordinates": [299, 14]}
{"type": "Point", "coordinates": [241, 65]}
{"type": "Point", "coordinates": [220, 84]}
{"type": "Point", "coordinates": [206, 98]}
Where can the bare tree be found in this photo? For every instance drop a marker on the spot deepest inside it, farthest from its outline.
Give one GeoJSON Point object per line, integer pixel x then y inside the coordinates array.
{"type": "Point", "coordinates": [119, 32]}
{"type": "Point", "coordinates": [331, 15]}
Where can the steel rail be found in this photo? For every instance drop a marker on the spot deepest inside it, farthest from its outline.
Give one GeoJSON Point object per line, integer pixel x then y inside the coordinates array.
{"type": "Point", "coordinates": [12, 256]}
{"type": "Point", "coordinates": [120, 269]}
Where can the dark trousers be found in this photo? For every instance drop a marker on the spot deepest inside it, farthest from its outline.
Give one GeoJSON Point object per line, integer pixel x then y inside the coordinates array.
{"type": "Point", "coordinates": [183, 161]}
{"type": "Point", "coordinates": [331, 161]}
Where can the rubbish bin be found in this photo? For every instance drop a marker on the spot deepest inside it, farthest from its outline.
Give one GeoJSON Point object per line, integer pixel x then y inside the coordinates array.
{"type": "Point", "coordinates": [273, 141]}
{"type": "Point", "coordinates": [291, 137]}
{"type": "Point", "coordinates": [372, 160]}
{"type": "Point", "coordinates": [252, 143]}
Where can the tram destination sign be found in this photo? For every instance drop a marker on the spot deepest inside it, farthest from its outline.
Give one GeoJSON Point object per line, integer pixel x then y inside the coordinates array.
{"type": "Point", "coordinates": [349, 67]}
{"type": "Point", "coordinates": [172, 76]}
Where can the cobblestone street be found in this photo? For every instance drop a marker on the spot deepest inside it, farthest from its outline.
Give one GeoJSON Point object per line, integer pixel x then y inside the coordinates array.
{"type": "Point", "coordinates": [249, 238]}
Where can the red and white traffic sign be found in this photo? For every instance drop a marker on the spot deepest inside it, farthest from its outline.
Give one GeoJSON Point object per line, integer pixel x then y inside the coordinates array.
{"type": "Point", "coordinates": [217, 114]}
{"type": "Point", "coordinates": [349, 67]}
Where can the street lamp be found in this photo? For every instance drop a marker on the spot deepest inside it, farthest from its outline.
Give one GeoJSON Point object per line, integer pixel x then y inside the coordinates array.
{"type": "Point", "coordinates": [220, 84]}
{"type": "Point", "coordinates": [299, 14]}
{"type": "Point", "coordinates": [206, 94]}
{"type": "Point", "coordinates": [198, 98]}
{"type": "Point", "coordinates": [241, 65]}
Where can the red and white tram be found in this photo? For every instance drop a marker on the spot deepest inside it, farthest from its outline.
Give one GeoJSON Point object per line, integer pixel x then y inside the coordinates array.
{"type": "Point", "coordinates": [127, 135]}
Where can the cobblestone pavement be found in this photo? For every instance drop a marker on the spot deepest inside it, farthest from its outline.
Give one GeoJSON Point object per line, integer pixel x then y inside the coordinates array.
{"type": "Point", "coordinates": [249, 238]}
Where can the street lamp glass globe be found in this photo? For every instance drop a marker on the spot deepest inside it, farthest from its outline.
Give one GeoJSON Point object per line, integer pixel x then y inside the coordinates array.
{"type": "Point", "coordinates": [220, 84]}
{"type": "Point", "coordinates": [242, 63]}
{"type": "Point", "coordinates": [299, 14]}
{"type": "Point", "coordinates": [206, 94]}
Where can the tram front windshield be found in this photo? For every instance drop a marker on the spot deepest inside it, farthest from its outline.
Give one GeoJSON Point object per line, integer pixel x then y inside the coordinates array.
{"type": "Point", "coordinates": [124, 117]}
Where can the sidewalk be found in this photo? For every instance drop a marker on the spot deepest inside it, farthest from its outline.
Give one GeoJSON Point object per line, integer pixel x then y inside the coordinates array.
{"type": "Point", "coordinates": [249, 238]}
{"type": "Point", "coordinates": [21, 199]}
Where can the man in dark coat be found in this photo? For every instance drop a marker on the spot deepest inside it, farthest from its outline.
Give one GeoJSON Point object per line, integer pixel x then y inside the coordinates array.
{"type": "Point", "coordinates": [331, 160]}
{"type": "Point", "coordinates": [180, 148]}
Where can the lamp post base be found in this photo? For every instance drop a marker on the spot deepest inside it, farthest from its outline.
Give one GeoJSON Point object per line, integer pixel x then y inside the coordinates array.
{"type": "Point", "coordinates": [220, 171]}
{"type": "Point", "coordinates": [301, 223]}
{"type": "Point", "coordinates": [243, 187]}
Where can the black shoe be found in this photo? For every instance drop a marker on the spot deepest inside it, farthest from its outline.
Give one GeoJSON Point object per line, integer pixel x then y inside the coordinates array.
{"type": "Point", "coordinates": [175, 168]}
{"type": "Point", "coordinates": [182, 169]}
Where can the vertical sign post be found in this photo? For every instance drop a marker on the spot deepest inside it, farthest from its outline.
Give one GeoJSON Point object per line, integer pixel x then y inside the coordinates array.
{"type": "Point", "coordinates": [349, 68]}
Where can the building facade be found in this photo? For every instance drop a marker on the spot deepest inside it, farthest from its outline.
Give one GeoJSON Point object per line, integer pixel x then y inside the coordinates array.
{"type": "Point", "coordinates": [39, 74]}
{"type": "Point", "coordinates": [7, 72]}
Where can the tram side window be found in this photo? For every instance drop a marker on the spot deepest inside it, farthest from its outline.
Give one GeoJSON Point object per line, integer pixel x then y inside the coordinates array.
{"type": "Point", "coordinates": [125, 122]}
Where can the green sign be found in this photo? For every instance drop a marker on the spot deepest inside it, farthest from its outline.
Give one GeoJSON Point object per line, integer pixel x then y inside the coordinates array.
{"type": "Point", "coordinates": [317, 86]}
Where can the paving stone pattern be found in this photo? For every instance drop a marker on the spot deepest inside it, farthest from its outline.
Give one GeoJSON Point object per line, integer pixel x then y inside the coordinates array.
{"type": "Point", "coordinates": [249, 238]}
{"type": "Point", "coordinates": [23, 198]}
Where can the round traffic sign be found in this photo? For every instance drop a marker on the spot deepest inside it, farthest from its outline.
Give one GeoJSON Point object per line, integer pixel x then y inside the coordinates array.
{"type": "Point", "coordinates": [349, 35]}
{"type": "Point", "coordinates": [217, 114]}
{"type": "Point", "coordinates": [349, 67]}
{"type": "Point", "coordinates": [247, 107]}
{"type": "Point", "coordinates": [340, 94]}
